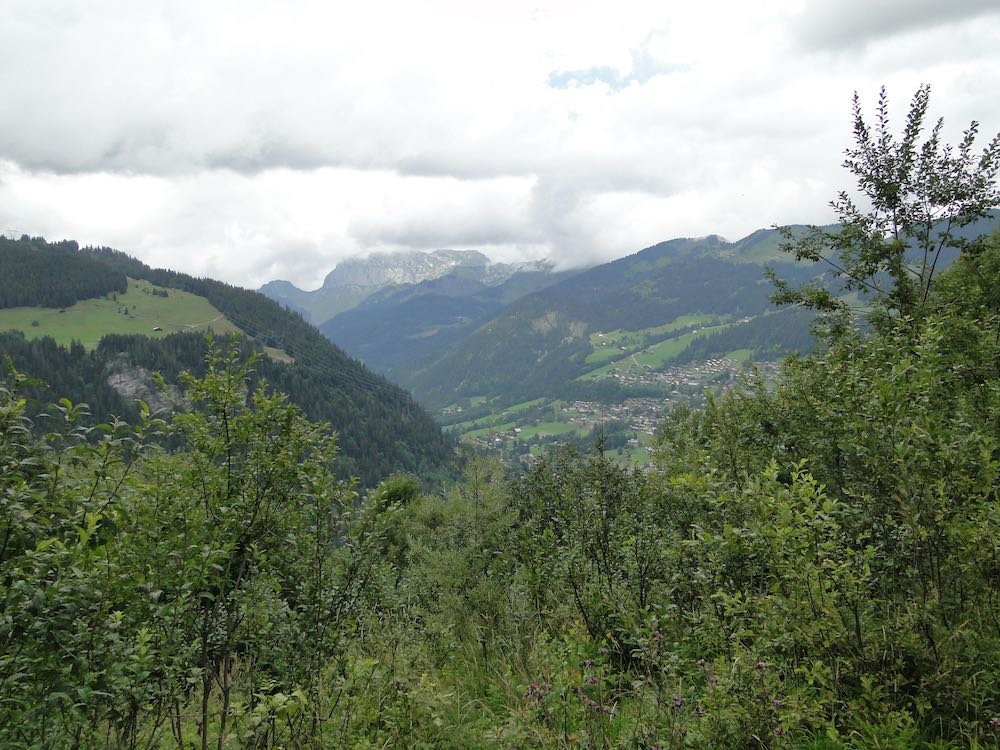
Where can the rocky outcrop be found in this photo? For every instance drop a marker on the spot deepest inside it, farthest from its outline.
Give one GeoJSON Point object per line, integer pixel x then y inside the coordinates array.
{"type": "Point", "coordinates": [132, 382]}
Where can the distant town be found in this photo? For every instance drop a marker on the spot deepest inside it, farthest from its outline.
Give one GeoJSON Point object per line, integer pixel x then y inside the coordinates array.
{"type": "Point", "coordinates": [633, 420]}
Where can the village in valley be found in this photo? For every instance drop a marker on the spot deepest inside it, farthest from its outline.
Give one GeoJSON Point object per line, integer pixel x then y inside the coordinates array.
{"type": "Point", "coordinates": [519, 435]}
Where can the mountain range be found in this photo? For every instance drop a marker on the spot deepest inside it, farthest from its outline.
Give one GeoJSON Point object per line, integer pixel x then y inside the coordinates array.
{"type": "Point", "coordinates": [506, 355]}
{"type": "Point", "coordinates": [356, 278]}
{"type": "Point", "coordinates": [544, 355]}
{"type": "Point", "coordinates": [452, 324]}
{"type": "Point", "coordinates": [548, 339]}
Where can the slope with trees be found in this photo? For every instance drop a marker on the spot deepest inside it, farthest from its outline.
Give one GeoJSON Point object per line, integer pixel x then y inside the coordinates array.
{"type": "Point", "coordinates": [383, 428]}
{"type": "Point", "coordinates": [37, 273]}
{"type": "Point", "coordinates": [542, 341]}
{"type": "Point", "coordinates": [398, 328]}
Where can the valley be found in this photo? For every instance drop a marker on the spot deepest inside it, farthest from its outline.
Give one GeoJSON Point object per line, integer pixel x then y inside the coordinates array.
{"type": "Point", "coordinates": [419, 375]}
{"type": "Point", "coordinates": [544, 357]}
{"type": "Point", "coordinates": [640, 386]}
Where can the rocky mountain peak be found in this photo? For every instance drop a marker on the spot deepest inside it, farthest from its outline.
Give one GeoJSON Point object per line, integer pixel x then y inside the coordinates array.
{"type": "Point", "coordinates": [412, 267]}
{"type": "Point", "coordinates": [355, 279]}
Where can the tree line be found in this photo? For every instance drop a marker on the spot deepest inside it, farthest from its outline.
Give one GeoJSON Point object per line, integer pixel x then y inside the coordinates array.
{"type": "Point", "coordinates": [34, 272]}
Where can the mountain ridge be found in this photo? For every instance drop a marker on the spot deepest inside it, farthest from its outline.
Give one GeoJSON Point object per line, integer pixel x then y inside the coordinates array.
{"type": "Point", "coordinates": [355, 278]}
{"type": "Point", "coordinates": [380, 426]}
{"type": "Point", "coordinates": [543, 338]}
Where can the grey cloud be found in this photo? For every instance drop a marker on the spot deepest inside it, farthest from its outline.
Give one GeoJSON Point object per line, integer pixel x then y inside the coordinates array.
{"type": "Point", "coordinates": [476, 227]}
{"type": "Point", "coordinates": [127, 88]}
{"type": "Point", "coordinates": [559, 210]}
{"type": "Point", "coordinates": [851, 24]}
{"type": "Point", "coordinates": [480, 163]}
{"type": "Point", "coordinates": [237, 119]}
{"type": "Point", "coordinates": [290, 258]}
{"type": "Point", "coordinates": [262, 154]}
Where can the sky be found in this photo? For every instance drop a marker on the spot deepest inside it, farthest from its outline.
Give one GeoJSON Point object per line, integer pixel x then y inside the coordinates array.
{"type": "Point", "coordinates": [250, 140]}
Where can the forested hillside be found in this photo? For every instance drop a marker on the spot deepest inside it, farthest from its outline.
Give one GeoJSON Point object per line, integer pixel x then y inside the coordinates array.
{"type": "Point", "coordinates": [383, 429]}
{"type": "Point", "coordinates": [388, 338]}
{"type": "Point", "coordinates": [544, 339]}
{"type": "Point", "coordinates": [398, 329]}
{"type": "Point", "coordinates": [63, 372]}
{"type": "Point", "coordinates": [36, 273]}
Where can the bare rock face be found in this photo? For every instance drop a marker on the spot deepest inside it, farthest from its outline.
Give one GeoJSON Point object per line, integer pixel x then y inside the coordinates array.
{"type": "Point", "coordinates": [385, 269]}
{"type": "Point", "coordinates": [382, 269]}
{"type": "Point", "coordinates": [133, 382]}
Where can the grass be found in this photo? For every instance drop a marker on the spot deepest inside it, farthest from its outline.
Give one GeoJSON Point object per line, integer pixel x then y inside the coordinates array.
{"type": "Point", "coordinates": [528, 431]}
{"type": "Point", "coordinates": [468, 424]}
{"type": "Point", "coordinates": [608, 344]}
{"type": "Point", "coordinates": [484, 431]}
{"type": "Point", "coordinates": [142, 309]}
{"type": "Point", "coordinates": [491, 419]}
{"type": "Point", "coordinates": [523, 406]}
{"type": "Point", "coordinates": [548, 429]}
{"type": "Point", "coordinates": [88, 320]}
{"type": "Point", "coordinates": [739, 355]}
{"type": "Point", "coordinates": [279, 355]}
{"type": "Point", "coordinates": [637, 455]}
{"type": "Point", "coordinates": [659, 355]}
{"type": "Point", "coordinates": [655, 356]}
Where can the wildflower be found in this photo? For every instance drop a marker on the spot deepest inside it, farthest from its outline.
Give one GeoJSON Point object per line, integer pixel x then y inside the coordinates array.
{"type": "Point", "coordinates": [699, 711]}
{"type": "Point", "coordinates": [592, 704]}
{"type": "Point", "coordinates": [678, 701]}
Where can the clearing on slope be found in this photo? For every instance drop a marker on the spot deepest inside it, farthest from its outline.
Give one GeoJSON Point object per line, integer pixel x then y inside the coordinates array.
{"type": "Point", "coordinates": [144, 309]}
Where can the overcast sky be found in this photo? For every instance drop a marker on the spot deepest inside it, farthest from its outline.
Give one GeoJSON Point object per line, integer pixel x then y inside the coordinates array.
{"type": "Point", "coordinates": [250, 140]}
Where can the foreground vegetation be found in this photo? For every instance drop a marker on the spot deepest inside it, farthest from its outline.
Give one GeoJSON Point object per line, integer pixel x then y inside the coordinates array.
{"type": "Point", "coordinates": [815, 565]}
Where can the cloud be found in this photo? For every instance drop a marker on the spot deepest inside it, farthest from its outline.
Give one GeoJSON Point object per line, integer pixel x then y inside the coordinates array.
{"type": "Point", "coordinates": [850, 24]}
{"type": "Point", "coordinates": [259, 139]}
{"type": "Point", "coordinates": [447, 213]}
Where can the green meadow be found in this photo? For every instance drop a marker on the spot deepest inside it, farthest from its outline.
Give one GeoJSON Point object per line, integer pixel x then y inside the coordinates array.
{"type": "Point", "coordinates": [655, 356]}
{"type": "Point", "coordinates": [608, 344]}
{"type": "Point", "coordinates": [143, 309]}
